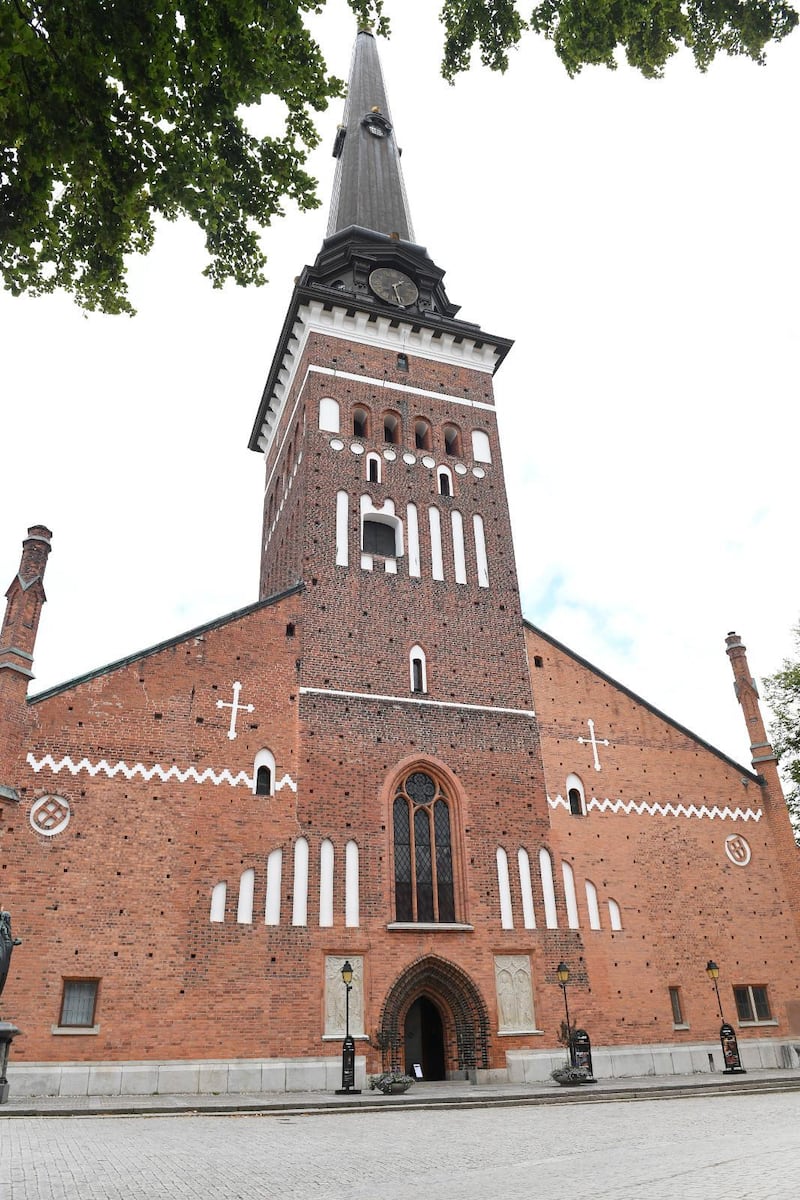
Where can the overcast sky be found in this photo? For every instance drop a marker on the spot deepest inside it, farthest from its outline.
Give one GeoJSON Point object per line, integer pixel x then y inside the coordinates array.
{"type": "Point", "coordinates": [639, 241]}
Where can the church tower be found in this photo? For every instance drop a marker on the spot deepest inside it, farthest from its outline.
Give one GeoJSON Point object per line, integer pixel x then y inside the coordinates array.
{"type": "Point", "coordinates": [385, 500]}
{"type": "Point", "coordinates": [384, 488]}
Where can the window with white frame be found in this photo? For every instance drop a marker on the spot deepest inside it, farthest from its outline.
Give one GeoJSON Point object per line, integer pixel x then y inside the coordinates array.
{"type": "Point", "coordinates": [575, 796]}
{"type": "Point", "coordinates": [417, 670]}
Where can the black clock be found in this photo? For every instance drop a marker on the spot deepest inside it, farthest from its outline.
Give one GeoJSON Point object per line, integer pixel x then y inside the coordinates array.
{"type": "Point", "coordinates": [393, 286]}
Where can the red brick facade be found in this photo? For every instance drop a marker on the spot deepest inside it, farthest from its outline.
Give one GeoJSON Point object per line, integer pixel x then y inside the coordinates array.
{"type": "Point", "coordinates": [379, 761]}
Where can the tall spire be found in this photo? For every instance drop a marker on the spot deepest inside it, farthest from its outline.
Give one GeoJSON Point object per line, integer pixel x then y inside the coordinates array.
{"type": "Point", "coordinates": [368, 188]}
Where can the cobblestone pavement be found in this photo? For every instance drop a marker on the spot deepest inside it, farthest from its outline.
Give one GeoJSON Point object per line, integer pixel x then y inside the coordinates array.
{"type": "Point", "coordinates": [710, 1147]}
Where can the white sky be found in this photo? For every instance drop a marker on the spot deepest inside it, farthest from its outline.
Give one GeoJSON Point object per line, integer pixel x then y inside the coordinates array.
{"type": "Point", "coordinates": [640, 242]}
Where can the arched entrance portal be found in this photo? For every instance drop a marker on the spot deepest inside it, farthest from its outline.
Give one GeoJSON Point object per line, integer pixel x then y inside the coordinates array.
{"type": "Point", "coordinates": [424, 1039]}
{"type": "Point", "coordinates": [436, 1006]}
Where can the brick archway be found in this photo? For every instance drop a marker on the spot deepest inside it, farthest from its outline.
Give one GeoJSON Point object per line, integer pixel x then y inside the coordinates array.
{"type": "Point", "coordinates": [466, 1017]}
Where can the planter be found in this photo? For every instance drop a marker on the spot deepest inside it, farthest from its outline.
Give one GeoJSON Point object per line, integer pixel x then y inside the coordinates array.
{"type": "Point", "coordinates": [570, 1076]}
{"type": "Point", "coordinates": [395, 1089]}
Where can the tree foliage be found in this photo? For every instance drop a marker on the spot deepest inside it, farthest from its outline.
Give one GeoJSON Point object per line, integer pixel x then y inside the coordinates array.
{"type": "Point", "coordinates": [116, 112]}
{"type": "Point", "coordinates": [782, 691]}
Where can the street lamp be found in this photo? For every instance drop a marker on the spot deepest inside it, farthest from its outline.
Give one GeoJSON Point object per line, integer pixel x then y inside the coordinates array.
{"type": "Point", "coordinates": [712, 970]}
{"type": "Point", "coordinates": [348, 1087]}
{"type": "Point", "coordinates": [727, 1034]}
{"type": "Point", "coordinates": [562, 971]}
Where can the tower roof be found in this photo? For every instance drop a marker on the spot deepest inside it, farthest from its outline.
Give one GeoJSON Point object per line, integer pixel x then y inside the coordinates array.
{"type": "Point", "coordinates": [368, 188]}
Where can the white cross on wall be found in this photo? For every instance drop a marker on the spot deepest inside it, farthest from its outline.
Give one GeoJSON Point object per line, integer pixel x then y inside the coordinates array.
{"type": "Point", "coordinates": [235, 707]}
{"type": "Point", "coordinates": [594, 742]}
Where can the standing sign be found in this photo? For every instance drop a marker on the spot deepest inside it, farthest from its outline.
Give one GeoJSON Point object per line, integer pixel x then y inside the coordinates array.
{"type": "Point", "coordinates": [730, 1050]}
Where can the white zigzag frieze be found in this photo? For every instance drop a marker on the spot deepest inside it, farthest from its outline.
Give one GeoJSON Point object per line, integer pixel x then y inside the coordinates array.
{"type": "Point", "coordinates": [182, 775]}
{"type": "Point", "coordinates": [645, 808]}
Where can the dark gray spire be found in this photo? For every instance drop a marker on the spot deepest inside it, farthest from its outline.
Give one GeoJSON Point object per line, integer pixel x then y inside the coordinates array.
{"type": "Point", "coordinates": [368, 188]}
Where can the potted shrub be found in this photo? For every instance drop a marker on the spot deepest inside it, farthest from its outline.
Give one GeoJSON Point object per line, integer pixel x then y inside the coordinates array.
{"type": "Point", "coordinates": [391, 1083]}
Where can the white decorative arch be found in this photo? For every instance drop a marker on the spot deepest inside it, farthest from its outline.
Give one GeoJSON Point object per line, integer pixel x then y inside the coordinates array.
{"type": "Point", "coordinates": [351, 911]}
{"type": "Point", "coordinates": [437, 562]}
{"type": "Point", "coordinates": [504, 887]}
{"type": "Point", "coordinates": [526, 888]}
{"type": "Point", "coordinates": [571, 898]}
{"type": "Point", "coordinates": [444, 481]}
{"type": "Point", "coordinates": [459, 557]}
{"type": "Point", "coordinates": [481, 450]}
{"type": "Point", "coordinates": [548, 889]}
{"type": "Point", "coordinates": [615, 916]}
{"type": "Point", "coordinates": [592, 905]}
{"type": "Point", "coordinates": [342, 516]}
{"type": "Point", "coordinates": [219, 894]}
{"type": "Point", "coordinates": [412, 526]}
{"type": "Point", "coordinates": [480, 551]}
{"type": "Point", "coordinates": [247, 884]}
{"type": "Point", "coordinates": [272, 910]}
{"type": "Point", "coordinates": [300, 889]}
{"type": "Point", "coordinates": [326, 883]}
{"type": "Point", "coordinates": [329, 415]}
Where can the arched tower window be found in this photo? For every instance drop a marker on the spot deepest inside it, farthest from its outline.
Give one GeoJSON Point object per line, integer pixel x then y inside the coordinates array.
{"type": "Point", "coordinates": [575, 796]}
{"type": "Point", "coordinates": [417, 670]}
{"type": "Point", "coordinates": [423, 850]}
{"type": "Point", "coordinates": [329, 415]}
{"type": "Point", "coordinates": [373, 468]}
{"type": "Point", "coordinates": [264, 773]}
{"type": "Point", "coordinates": [392, 429]}
{"type": "Point", "coordinates": [452, 441]}
{"type": "Point", "coordinates": [423, 439]}
{"type": "Point", "coordinates": [361, 422]}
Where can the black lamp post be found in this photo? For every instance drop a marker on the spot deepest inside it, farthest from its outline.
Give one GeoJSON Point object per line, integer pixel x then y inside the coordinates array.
{"type": "Point", "coordinates": [562, 971]}
{"type": "Point", "coordinates": [727, 1034]}
{"type": "Point", "coordinates": [348, 1087]}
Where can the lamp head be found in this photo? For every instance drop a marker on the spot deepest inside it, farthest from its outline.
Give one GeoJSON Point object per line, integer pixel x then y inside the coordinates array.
{"type": "Point", "coordinates": [347, 974]}
{"type": "Point", "coordinates": [562, 971]}
{"type": "Point", "coordinates": [712, 970]}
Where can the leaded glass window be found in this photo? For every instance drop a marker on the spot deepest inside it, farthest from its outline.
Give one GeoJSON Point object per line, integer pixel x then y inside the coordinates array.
{"type": "Point", "coordinates": [423, 854]}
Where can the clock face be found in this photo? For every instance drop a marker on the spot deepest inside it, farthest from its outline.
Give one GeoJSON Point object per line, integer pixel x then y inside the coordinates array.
{"type": "Point", "coordinates": [393, 286]}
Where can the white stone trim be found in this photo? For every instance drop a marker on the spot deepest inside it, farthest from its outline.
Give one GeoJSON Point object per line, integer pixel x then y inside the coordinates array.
{"type": "Point", "coordinates": [653, 809]}
{"type": "Point", "coordinates": [383, 333]}
{"type": "Point", "coordinates": [489, 708]}
{"type": "Point", "coordinates": [181, 774]}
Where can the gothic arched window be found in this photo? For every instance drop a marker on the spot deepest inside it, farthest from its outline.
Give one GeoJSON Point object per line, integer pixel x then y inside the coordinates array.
{"type": "Point", "coordinates": [423, 851]}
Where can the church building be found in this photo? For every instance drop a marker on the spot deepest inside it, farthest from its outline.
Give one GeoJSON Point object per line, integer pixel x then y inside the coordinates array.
{"type": "Point", "coordinates": [378, 762]}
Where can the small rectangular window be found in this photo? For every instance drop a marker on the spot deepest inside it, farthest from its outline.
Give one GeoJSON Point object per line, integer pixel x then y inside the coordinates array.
{"type": "Point", "coordinates": [752, 1003]}
{"type": "Point", "coordinates": [677, 1009]}
{"type": "Point", "coordinates": [78, 1002]}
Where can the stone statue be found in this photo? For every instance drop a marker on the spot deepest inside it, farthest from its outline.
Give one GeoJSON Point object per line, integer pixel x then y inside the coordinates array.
{"type": "Point", "coordinates": [7, 944]}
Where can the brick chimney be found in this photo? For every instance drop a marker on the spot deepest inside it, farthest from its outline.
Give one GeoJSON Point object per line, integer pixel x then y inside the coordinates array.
{"type": "Point", "coordinates": [747, 694]}
{"type": "Point", "coordinates": [25, 598]}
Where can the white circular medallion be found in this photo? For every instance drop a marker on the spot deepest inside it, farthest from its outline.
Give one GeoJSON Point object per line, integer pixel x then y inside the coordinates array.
{"type": "Point", "coordinates": [336, 444]}
{"type": "Point", "coordinates": [478, 472]}
{"type": "Point", "coordinates": [428, 461]}
{"type": "Point", "coordinates": [389, 455]}
{"type": "Point", "coordinates": [737, 849]}
{"type": "Point", "coordinates": [49, 815]}
{"type": "Point", "coordinates": [409, 458]}
{"type": "Point", "coordinates": [356, 447]}
{"type": "Point", "coordinates": [460, 469]}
